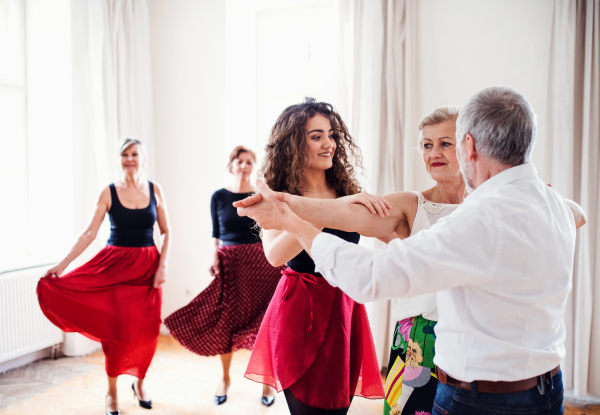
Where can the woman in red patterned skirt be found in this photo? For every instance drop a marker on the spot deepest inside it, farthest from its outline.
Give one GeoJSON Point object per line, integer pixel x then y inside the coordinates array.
{"type": "Point", "coordinates": [226, 316]}
{"type": "Point", "coordinates": [315, 342]}
{"type": "Point", "coordinates": [115, 298]}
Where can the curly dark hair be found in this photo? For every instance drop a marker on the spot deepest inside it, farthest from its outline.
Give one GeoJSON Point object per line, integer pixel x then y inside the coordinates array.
{"type": "Point", "coordinates": [285, 159]}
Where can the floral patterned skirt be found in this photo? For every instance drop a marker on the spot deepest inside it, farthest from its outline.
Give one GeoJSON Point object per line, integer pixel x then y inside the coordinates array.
{"type": "Point", "coordinates": [411, 381]}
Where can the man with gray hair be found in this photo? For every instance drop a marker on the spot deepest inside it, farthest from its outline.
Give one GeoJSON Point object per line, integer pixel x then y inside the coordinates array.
{"type": "Point", "coordinates": [501, 263]}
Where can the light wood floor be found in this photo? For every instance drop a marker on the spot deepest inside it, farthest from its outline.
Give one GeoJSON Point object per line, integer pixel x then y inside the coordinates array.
{"type": "Point", "coordinates": [180, 383]}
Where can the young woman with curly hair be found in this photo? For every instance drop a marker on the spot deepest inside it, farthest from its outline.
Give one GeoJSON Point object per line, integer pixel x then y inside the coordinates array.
{"type": "Point", "coordinates": [315, 342]}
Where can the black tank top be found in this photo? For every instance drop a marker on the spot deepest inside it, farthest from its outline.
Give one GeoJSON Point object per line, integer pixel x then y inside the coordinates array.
{"type": "Point", "coordinates": [304, 264]}
{"type": "Point", "coordinates": [131, 227]}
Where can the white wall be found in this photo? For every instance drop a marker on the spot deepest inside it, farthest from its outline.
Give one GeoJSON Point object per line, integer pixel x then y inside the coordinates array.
{"type": "Point", "coordinates": [467, 45]}
{"type": "Point", "coordinates": [463, 46]}
{"type": "Point", "coordinates": [187, 40]}
{"type": "Point", "coordinates": [49, 127]}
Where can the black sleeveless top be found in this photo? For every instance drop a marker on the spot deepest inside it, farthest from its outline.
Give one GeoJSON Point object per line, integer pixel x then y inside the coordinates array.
{"type": "Point", "coordinates": [228, 226]}
{"type": "Point", "coordinates": [304, 264]}
{"type": "Point", "coordinates": [131, 227]}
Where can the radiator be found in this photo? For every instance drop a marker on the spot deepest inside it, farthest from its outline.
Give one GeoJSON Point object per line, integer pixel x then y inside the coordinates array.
{"type": "Point", "coordinates": [23, 327]}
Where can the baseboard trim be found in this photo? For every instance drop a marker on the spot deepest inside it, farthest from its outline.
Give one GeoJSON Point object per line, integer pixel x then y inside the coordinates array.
{"type": "Point", "coordinates": [580, 401]}
{"type": "Point", "coordinates": [26, 359]}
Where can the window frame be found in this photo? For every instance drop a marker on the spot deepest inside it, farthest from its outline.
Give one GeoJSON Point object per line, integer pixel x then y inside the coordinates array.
{"type": "Point", "coordinates": [20, 87]}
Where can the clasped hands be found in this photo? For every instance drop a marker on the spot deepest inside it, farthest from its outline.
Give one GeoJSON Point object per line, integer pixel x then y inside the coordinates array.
{"type": "Point", "coordinates": [267, 208]}
{"type": "Point", "coordinates": [271, 210]}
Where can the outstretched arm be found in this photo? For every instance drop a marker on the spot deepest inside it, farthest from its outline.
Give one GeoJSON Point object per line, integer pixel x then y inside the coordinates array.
{"type": "Point", "coordinates": [347, 213]}
{"type": "Point", "coordinates": [87, 237]}
{"type": "Point", "coordinates": [578, 213]}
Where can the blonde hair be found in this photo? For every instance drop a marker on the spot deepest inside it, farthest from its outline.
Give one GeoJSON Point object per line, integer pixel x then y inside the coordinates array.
{"type": "Point", "coordinates": [438, 115]}
{"type": "Point", "coordinates": [128, 142]}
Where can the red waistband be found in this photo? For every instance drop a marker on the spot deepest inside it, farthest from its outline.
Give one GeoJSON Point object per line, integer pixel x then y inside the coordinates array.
{"type": "Point", "coordinates": [303, 278]}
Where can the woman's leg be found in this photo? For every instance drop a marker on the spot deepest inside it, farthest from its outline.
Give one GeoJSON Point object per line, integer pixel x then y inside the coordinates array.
{"type": "Point", "coordinates": [298, 408]}
{"type": "Point", "coordinates": [224, 385]}
{"type": "Point", "coordinates": [268, 390]}
{"type": "Point", "coordinates": [112, 402]}
{"type": "Point", "coordinates": [140, 390]}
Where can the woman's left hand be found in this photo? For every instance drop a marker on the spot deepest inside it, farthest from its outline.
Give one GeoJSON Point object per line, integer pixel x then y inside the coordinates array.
{"type": "Point", "coordinates": [160, 277]}
{"type": "Point", "coordinates": [376, 204]}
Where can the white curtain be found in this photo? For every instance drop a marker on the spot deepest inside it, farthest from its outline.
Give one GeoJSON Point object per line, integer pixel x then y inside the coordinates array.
{"type": "Point", "coordinates": [574, 153]}
{"type": "Point", "coordinates": [377, 61]}
{"type": "Point", "coordinates": [112, 99]}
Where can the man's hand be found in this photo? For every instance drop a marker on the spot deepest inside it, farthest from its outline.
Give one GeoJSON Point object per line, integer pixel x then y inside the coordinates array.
{"type": "Point", "coordinates": [266, 207]}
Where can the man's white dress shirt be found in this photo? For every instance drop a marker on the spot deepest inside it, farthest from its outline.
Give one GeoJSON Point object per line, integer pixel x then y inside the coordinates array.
{"type": "Point", "coordinates": [502, 263]}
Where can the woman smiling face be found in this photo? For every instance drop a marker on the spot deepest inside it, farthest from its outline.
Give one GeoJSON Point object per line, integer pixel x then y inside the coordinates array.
{"type": "Point", "coordinates": [132, 159]}
{"type": "Point", "coordinates": [439, 150]}
{"type": "Point", "coordinates": [320, 143]}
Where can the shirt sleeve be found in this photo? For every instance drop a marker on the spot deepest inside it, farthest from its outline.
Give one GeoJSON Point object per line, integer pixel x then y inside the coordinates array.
{"type": "Point", "coordinates": [214, 212]}
{"type": "Point", "coordinates": [458, 250]}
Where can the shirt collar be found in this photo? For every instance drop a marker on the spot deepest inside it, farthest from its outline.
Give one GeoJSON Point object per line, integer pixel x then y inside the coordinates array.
{"type": "Point", "coordinates": [503, 178]}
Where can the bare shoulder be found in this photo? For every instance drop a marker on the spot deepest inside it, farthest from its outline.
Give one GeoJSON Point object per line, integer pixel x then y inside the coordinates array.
{"type": "Point", "coordinates": [157, 188]}
{"type": "Point", "coordinates": [105, 198]}
{"type": "Point", "coordinates": [158, 193]}
{"type": "Point", "coordinates": [405, 201]}
{"type": "Point", "coordinates": [105, 195]}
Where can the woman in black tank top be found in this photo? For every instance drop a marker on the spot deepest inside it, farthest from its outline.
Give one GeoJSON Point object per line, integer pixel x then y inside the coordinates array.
{"type": "Point", "coordinates": [315, 343]}
{"type": "Point", "coordinates": [115, 298]}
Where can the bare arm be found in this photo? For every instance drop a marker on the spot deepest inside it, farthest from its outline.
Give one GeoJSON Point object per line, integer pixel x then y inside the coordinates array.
{"type": "Point", "coordinates": [214, 268]}
{"type": "Point", "coordinates": [578, 213]}
{"type": "Point", "coordinates": [346, 216]}
{"type": "Point", "coordinates": [87, 236]}
{"type": "Point", "coordinates": [280, 246]}
{"type": "Point", "coordinates": [165, 230]}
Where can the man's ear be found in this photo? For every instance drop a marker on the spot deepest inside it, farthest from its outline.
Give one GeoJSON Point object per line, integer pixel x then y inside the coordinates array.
{"type": "Point", "coordinates": [470, 148]}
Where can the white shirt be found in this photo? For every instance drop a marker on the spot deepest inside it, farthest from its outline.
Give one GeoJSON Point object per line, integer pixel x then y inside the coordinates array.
{"type": "Point", "coordinates": [502, 262]}
{"type": "Point", "coordinates": [428, 213]}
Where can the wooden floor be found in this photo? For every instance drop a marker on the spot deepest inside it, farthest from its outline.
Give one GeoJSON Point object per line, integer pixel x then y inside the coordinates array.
{"type": "Point", "coordinates": [180, 383]}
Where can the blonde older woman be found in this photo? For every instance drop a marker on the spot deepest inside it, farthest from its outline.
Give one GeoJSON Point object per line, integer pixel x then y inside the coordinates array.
{"type": "Point", "coordinates": [411, 381]}
{"type": "Point", "coordinates": [115, 298]}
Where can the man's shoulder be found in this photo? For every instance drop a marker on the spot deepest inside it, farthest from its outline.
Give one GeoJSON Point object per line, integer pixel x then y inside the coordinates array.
{"type": "Point", "coordinates": [519, 197]}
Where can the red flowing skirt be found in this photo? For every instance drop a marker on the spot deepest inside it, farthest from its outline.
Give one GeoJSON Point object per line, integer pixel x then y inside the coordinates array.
{"type": "Point", "coordinates": [226, 316]}
{"type": "Point", "coordinates": [110, 299]}
{"type": "Point", "coordinates": [316, 342]}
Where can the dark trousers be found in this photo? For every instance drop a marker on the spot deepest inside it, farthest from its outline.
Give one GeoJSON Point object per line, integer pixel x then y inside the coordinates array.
{"type": "Point", "coordinates": [450, 400]}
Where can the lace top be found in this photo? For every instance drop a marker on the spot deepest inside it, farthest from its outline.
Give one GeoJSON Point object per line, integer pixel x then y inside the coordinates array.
{"type": "Point", "coordinates": [428, 213]}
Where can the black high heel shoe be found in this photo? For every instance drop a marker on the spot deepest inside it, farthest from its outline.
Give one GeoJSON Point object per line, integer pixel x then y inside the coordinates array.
{"type": "Point", "coordinates": [220, 400]}
{"type": "Point", "coordinates": [267, 400]}
{"type": "Point", "coordinates": [143, 404]}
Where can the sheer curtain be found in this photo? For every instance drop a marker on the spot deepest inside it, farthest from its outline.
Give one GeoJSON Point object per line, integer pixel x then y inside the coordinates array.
{"type": "Point", "coordinates": [574, 153]}
{"type": "Point", "coordinates": [377, 60]}
{"type": "Point", "coordinates": [112, 99]}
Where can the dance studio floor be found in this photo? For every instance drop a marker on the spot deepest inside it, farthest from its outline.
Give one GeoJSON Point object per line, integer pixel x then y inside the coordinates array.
{"type": "Point", "coordinates": [180, 383]}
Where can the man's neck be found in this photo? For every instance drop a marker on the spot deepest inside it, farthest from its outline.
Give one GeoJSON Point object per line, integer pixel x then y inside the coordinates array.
{"type": "Point", "coordinates": [485, 169]}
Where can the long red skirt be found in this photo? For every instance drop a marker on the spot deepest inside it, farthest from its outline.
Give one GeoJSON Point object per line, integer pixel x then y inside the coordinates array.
{"type": "Point", "coordinates": [226, 316]}
{"type": "Point", "coordinates": [316, 342]}
{"type": "Point", "coordinates": [111, 300]}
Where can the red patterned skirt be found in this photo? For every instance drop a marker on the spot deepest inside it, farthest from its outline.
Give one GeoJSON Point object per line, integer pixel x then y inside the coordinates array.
{"type": "Point", "coordinates": [111, 300]}
{"type": "Point", "coordinates": [316, 342]}
{"type": "Point", "coordinates": [226, 316]}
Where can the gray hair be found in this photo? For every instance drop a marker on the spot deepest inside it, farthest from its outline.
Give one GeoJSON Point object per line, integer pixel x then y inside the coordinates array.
{"type": "Point", "coordinates": [438, 115]}
{"type": "Point", "coordinates": [128, 142]}
{"type": "Point", "coordinates": [502, 123]}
